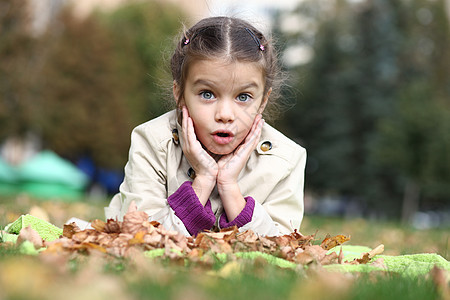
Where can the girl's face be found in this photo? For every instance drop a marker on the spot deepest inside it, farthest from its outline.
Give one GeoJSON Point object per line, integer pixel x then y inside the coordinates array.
{"type": "Point", "coordinates": [223, 99]}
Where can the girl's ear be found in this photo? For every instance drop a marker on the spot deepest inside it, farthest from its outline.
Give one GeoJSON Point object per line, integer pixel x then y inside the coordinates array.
{"type": "Point", "coordinates": [176, 94]}
{"type": "Point", "coordinates": [264, 102]}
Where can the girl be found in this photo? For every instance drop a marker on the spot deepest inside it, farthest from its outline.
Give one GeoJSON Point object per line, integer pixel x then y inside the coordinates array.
{"type": "Point", "coordinates": [213, 162]}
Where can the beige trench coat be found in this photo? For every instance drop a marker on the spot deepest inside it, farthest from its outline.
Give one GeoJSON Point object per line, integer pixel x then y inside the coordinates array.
{"type": "Point", "coordinates": [157, 167]}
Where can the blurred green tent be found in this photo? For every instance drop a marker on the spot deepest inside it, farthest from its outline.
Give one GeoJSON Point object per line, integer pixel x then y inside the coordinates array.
{"type": "Point", "coordinates": [8, 178]}
{"type": "Point", "coordinates": [45, 175]}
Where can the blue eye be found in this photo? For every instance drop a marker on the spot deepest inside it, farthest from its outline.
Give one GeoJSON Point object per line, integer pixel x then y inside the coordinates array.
{"type": "Point", "coordinates": [207, 95]}
{"type": "Point", "coordinates": [243, 98]}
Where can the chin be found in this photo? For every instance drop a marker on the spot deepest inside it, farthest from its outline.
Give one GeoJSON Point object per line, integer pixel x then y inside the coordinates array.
{"type": "Point", "coordinates": [218, 152]}
{"type": "Point", "coordinates": [221, 151]}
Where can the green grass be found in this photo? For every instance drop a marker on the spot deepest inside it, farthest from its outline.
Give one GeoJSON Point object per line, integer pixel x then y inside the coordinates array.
{"type": "Point", "coordinates": [268, 282]}
{"type": "Point", "coordinates": [55, 277]}
{"type": "Point", "coordinates": [57, 210]}
{"type": "Point", "coordinates": [397, 239]}
{"type": "Point", "coordinates": [393, 287]}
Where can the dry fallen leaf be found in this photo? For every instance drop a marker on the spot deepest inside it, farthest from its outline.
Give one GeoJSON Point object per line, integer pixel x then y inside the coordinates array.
{"type": "Point", "coordinates": [366, 257]}
{"type": "Point", "coordinates": [440, 279]}
{"type": "Point", "coordinates": [136, 233]}
{"type": "Point", "coordinates": [135, 221]}
{"type": "Point", "coordinates": [98, 225]}
{"type": "Point", "coordinates": [31, 235]}
{"type": "Point", "coordinates": [70, 229]}
{"type": "Point", "coordinates": [331, 242]}
{"type": "Point", "coordinates": [112, 226]}
{"type": "Point", "coordinates": [377, 250]}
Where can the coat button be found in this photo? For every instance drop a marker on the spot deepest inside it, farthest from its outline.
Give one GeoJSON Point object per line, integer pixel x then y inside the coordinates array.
{"type": "Point", "coordinates": [266, 146]}
{"type": "Point", "coordinates": [175, 137]}
{"type": "Point", "coordinates": [191, 173]}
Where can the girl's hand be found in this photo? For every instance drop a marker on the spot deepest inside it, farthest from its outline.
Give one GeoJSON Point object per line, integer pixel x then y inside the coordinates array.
{"type": "Point", "coordinates": [204, 165]}
{"type": "Point", "coordinates": [229, 168]}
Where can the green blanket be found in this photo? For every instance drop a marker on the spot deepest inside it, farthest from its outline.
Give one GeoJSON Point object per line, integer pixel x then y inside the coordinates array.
{"type": "Point", "coordinates": [411, 265]}
{"type": "Point", "coordinates": [46, 230]}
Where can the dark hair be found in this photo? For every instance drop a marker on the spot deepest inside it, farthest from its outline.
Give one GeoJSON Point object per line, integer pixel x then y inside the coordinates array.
{"type": "Point", "coordinates": [230, 38]}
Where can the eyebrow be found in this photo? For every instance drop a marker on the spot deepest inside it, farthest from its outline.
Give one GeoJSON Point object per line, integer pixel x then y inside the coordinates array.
{"type": "Point", "coordinates": [212, 84]}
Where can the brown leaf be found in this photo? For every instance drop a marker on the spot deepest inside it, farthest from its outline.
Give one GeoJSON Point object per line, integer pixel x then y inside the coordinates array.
{"type": "Point", "coordinates": [282, 241]}
{"type": "Point", "coordinates": [105, 239]}
{"type": "Point", "coordinates": [366, 257]}
{"type": "Point", "coordinates": [170, 244]}
{"type": "Point", "coordinates": [153, 239]}
{"type": "Point", "coordinates": [248, 237]}
{"type": "Point", "coordinates": [377, 250]}
{"type": "Point", "coordinates": [112, 226]}
{"type": "Point", "coordinates": [92, 246]}
{"type": "Point", "coordinates": [31, 235]}
{"type": "Point", "coordinates": [54, 248]}
{"type": "Point", "coordinates": [219, 235]}
{"type": "Point", "coordinates": [317, 252]}
{"type": "Point", "coordinates": [303, 258]}
{"type": "Point", "coordinates": [313, 253]}
{"type": "Point", "coordinates": [329, 259]}
{"type": "Point", "coordinates": [331, 242]}
{"type": "Point", "coordinates": [70, 229]}
{"type": "Point", "coordinates": [134, 222]}
{"type": "Point", "coordinates": [341, 256]}
{"type": "Point", "coordinates": [363, 260]}
{"type": "Point", "coordinates": [137, 239]}
{"type": "Point", "coordinates": [85, 236]}
{"type": "Point", "coordinates": [268, 244]}
{"type": "Point", "coordinates": [98, 225]}
{"type": "Point", "coordinates": [288, 253]}
{"type": "Point", "coordinates": [155, 223]}
{"type": "Point", "coordinates": [122, 240]}
{"type": "Point", "coordinates": [439, 277]}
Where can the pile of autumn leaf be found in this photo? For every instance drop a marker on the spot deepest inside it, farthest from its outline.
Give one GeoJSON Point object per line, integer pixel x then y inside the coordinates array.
{"type": "Point", "coordinates": [122, 239]}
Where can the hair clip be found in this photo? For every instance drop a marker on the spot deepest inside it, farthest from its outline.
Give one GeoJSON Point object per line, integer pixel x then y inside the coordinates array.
{"type": "Point", "coordinates": [188, 40]}
{"type": "Point", "coordinates": [257, 41]}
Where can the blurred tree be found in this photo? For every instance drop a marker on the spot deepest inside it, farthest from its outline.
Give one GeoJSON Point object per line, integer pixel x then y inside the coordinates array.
{"type": "Point", "coordinates": [367, 55]}
{"type": "Point", "coordinates": [83, 114]}
{"type": "Point", "coordinates": [415, 144]}
{"type": "Point", "coordinates": [142, 32]}
{"type": "Point", "coordinates": [414, 139]}
{"type": "Point", "coordinates": [17, 69]}
{"type": "Point", "coordinates": [100, 79]}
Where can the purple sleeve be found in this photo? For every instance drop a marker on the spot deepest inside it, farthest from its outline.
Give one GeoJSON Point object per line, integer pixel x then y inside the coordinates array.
{"type": "Point", "coordinates": [191, 212]}
{"type": "Point", "coordinates": [243, 218]}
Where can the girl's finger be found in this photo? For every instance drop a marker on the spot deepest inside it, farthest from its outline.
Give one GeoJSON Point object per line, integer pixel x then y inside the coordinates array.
{"type": "Point", "coordinates": [191, 132]}
{"type": "Point", "coordinates": [254, 134]}
{"type": "Point", "coordinates": [184, 125]}
{"type": "Point", "coordinates": [255, 125]}
{"type": "Point", "coordinates": [251, 140]}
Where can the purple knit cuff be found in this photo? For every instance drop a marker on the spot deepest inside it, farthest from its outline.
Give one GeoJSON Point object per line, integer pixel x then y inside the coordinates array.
{"type": "Point", "coordinates": [243, 218]}
{"type": "Point", "coordinates": [191, 212]}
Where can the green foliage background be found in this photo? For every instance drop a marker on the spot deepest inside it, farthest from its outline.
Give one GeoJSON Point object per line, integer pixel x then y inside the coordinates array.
{"type": "Point", "coordinates": [373, 105]}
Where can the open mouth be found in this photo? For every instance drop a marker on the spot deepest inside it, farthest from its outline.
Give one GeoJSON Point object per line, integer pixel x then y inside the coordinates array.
{"type": "Point", "coordinates": [223, 136]}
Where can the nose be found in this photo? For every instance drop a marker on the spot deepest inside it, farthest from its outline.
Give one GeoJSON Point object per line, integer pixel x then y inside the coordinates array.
{"type": "Point", "coordinates": [225, 111]}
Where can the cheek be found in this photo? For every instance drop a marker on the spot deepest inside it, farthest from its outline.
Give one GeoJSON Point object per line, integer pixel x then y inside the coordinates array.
{"type": "Point", "coordinates": [244, 128]}
{"type": "Point", "coordinates": [247, 118]}
{"type": "Point", "coordinates": [199, 123]}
